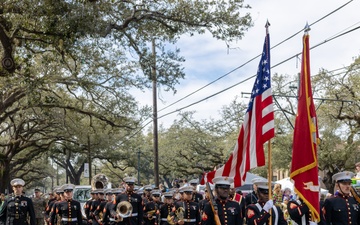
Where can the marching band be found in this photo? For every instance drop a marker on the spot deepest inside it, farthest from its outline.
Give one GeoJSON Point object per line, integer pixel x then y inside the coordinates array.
{"type": "Point", "coordinates": [219, 204]}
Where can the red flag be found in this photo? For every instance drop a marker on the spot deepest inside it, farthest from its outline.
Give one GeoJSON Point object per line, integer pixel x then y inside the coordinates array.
{"type": "Point", "coordinates": [304, 165]}
{"type": "Point", "coordinates": [258, 127]}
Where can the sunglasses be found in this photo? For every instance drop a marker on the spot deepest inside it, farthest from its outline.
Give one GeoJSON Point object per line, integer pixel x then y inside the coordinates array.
{"type": "Point", "coordinates": [67, 191]}
{"type": "Point", "coordinates": [188, 192]}
{"type": "Point", "coordinates": [156, 196]}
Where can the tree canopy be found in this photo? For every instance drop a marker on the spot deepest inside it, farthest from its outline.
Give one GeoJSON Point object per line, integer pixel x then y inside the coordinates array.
{"type": "Point", "coordinates": [68, 68]}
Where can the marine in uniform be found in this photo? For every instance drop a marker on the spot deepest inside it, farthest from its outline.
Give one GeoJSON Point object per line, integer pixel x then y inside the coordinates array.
{"type": "Point", "coordinates": [342, 209]}
{"type": "Point", "coordinates": [187, 209]}
{"type": "Point", "coordinates": [152, 208]}
{"type": "Point", "coordinates": [259, 213]}
{"type": "Point", "coordinates": [17, 208]}
{"type": "Point", "coordinates": [234, 196]}
{"type": "Point", "coordinates": [197, 197]}
{"type": "Point", "coordinates": [99, 214]}
{"type": "Point", "coordinates": [95, 204]}
{"type": "Point", "coordinates": [166, 208]}
{"type": "Point", "coordinates": [203, 202]}
{"type": "Point", "coordinates": [69, 210]}
{"type": "Point", "coordinates": [87, 206]}
{"type": "Point", "coordinates": [301, 214]}
{"type": "Point", "coordinates": [146, 195]}
{"type": "Point", "coordinates": [136, 217]}
{"type": "Point", "coordinates": [60, 197]}
{"type": "Point", "coordinates": [39, 207]}
{"type": "Point", "coordinates": [49, 205]}
{"type": "Point", "coordinates": [109, 211]}
{"type": "Point", "coordinates": [252, 197]}
{"type": "Point", "coordinates": [228, 211]}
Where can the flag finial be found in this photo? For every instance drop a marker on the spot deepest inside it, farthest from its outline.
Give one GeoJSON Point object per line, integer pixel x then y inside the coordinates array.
{"type": "Point", "coordinates": [307, 28]}
{"type": "Point", "coordinates": [267, 24]}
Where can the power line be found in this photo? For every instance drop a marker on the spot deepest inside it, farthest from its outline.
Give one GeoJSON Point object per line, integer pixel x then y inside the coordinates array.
{"type": "Point", "coordinates": [140, 129]}
{"type": "Point", "coordinates": [250, 60]}
{"type": "Point", "coordinates": [233, 70]}
{"type": "Point", "coordinates": [236, 84]}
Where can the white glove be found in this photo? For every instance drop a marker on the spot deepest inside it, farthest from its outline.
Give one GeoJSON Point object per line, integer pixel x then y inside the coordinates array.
{"type": "Point", "coordinates": [312, 223]}
{"type": "Point", "coordinates": [268, 205]}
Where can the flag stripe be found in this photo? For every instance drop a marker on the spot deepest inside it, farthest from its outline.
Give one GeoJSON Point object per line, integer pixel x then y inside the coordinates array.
{"type": "Point", "coordinates": [257, 128]}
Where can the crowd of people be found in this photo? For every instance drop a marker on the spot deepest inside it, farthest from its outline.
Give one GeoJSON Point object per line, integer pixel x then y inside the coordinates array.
{"type": "Point", "coordinates": [221, 204]}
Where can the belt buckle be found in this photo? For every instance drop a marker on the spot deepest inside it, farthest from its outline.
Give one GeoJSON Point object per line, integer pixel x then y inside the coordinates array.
{"type": "Point", "coordinates": [17, 216]}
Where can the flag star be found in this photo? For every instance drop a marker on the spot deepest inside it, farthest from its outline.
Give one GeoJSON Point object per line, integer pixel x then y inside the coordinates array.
{"type": "Point", "coordinates": [266, 78]}
{"type": "Point", "coordinates": [265, 62]}
{"type": "Point", "coordinates": [257, 90]}
{"type": "Point", "coordinates": [265, 86]}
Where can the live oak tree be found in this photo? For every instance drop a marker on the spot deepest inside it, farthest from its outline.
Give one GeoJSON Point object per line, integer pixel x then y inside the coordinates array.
{"type": "Point", "coordinates": [83, 57]}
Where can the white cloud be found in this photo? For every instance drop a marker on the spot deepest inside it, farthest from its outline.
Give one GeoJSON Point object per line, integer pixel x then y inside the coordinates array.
{"type": "Point", "coordinates": [207, 59]}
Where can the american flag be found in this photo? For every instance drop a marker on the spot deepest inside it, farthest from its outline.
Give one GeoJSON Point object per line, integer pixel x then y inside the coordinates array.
{"type": "Point", "coordinates": [257, 128]}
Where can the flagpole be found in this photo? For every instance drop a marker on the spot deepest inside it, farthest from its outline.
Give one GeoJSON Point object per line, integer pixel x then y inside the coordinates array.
{"type": "Point", "coordinates": [270, 178]}
{"type": "Point", "coordinates": [269, 148]}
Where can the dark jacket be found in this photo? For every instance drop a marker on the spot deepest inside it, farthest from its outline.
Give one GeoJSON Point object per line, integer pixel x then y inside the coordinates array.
{"type": "Point", "coordinates": [15, 211]}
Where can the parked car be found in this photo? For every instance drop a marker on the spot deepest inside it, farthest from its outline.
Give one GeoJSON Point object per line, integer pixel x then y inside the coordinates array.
{"type": "Point", "coordinates": [82, 194]}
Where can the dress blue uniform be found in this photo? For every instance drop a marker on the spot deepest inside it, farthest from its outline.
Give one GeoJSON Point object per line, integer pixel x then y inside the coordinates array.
{"type": "Point", "coordinates": [342, 209]}
{"type": "Point", "coordinates": [16, 209]}
{"type": "Point", "coordinates": [259, 213]}
{"type": "Point", "coordinates": [69, 210]}
{"type": "Point", "coordinates": [136, 217]}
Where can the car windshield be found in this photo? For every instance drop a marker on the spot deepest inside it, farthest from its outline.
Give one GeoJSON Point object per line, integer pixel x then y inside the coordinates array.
{"type": "Point", "coordinates": [82, 194]}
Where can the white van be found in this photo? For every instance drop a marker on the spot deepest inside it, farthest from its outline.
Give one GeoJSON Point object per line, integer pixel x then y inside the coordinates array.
{"type": "Point", "coordinates": [81, 194]}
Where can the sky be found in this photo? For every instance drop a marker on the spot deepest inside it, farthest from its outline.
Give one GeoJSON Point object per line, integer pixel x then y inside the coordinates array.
{"type": "Point", "coordinates": [207, 59]}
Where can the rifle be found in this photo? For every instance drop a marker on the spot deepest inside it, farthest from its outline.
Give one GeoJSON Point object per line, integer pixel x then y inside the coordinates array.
{"type": "Point", "coordinates": [213, 204]}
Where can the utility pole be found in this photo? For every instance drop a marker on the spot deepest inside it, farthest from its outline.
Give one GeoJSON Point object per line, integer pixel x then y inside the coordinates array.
{"type": "Point", "coordinates": [89, 158]}
{"type": "Point", "coordinates": [155, 124]}
{"type": "Point", "coordinates": [138, 167]}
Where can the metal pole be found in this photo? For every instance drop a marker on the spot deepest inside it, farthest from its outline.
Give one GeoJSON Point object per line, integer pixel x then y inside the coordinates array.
{"type": "Point", "coordinates": [156, 153]}
{"type": "Point", "coordinates": [89, 159]}
{"type": "Point", "coordinates": [138, 168]}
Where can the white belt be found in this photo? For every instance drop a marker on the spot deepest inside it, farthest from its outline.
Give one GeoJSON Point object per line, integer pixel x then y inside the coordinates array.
{"type": "Point", "coordinates": [132, 215]}
{"type": "Point", "coordinates": [189, 220]}
{"type": "Point", "coordinates": [164, 219]}
{"type": "Point", "coordinates": [69, 219]}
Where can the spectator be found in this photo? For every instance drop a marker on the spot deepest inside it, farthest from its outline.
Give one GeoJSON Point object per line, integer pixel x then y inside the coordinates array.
{"type": "Point", "coordinates": [357, 170]}
{"type": "Point", "coordinates": [277, 195]}
{"type": "Point", "coordinates": [2, 199]}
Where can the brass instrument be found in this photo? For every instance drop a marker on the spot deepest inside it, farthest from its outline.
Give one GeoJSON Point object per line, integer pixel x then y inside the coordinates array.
{"type": "Point", "coordinates": [354, 193]}
{"type": "Point", "coordinates": [179, 215]}
{"type": "Point", "coordinates": [101, 216]}
{"type": "Point", "coordinates": [170, 220]}
{"type": "Point", "coordinates": [99, 181]}
{"type": "Point", "coordinates": [123, 210]}
{"type": "Point", "coordinates": [150, 214]}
